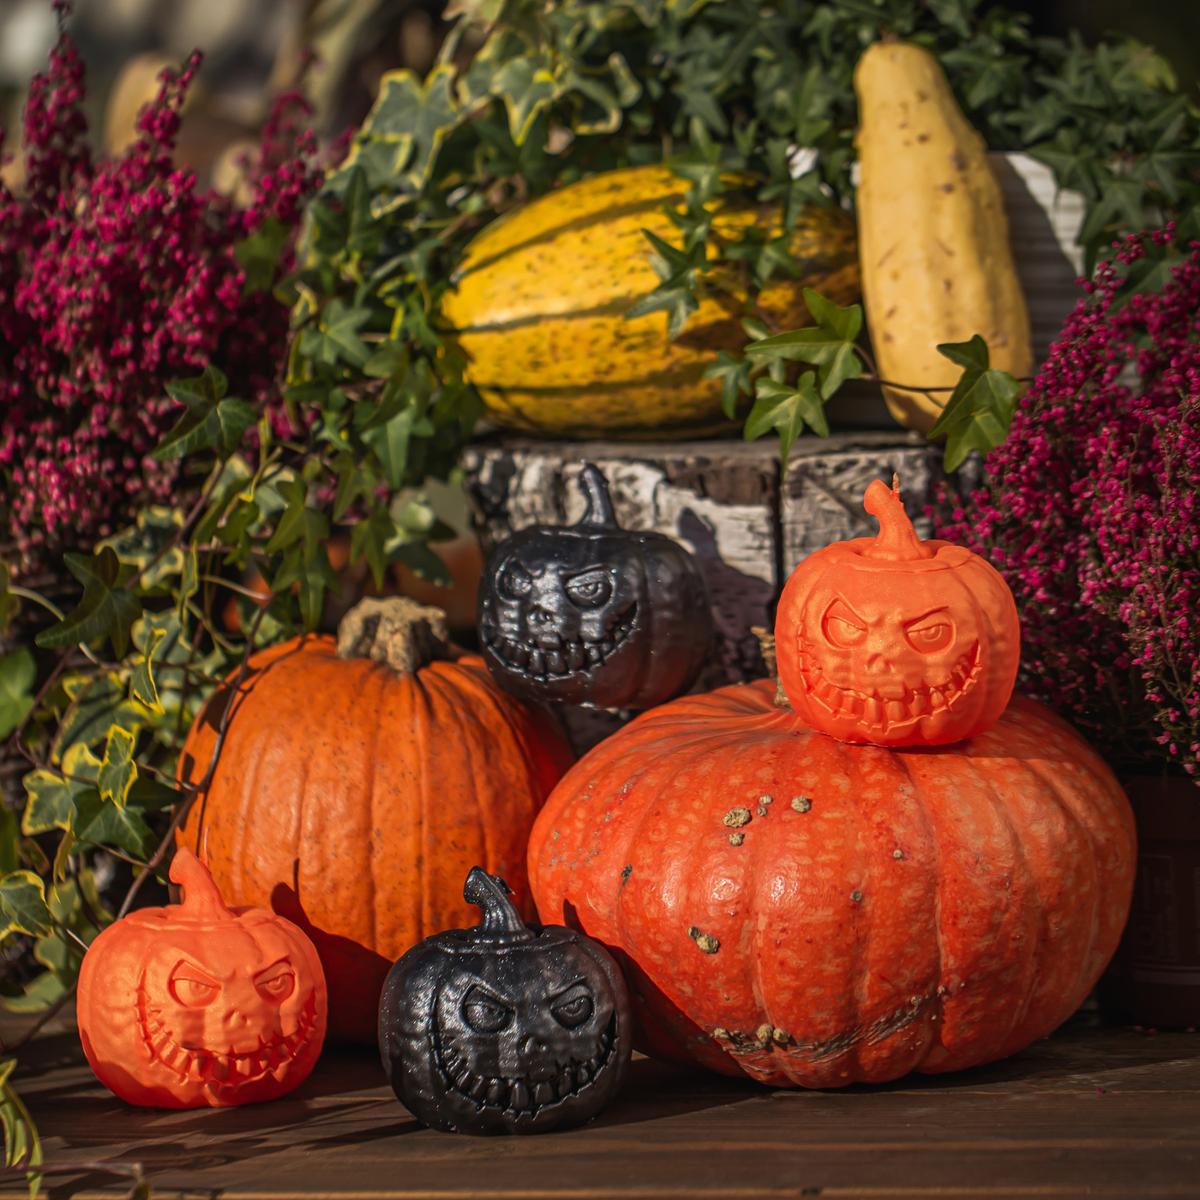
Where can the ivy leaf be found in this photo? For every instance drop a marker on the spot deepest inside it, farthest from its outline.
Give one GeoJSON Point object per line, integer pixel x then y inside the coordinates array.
{"type": "Point", "coordinates": [8, 602]}
{"type": "Point", "coordinates": [980, 409]}
{"type": "Point", "coordinates": [408, 124]}
{"type": "Point", "coordinates": [108, 608]}
{"type": "Point", "coordinates": [101, 823]}
{"type": "Point", "coordinates": [22, 1146]}
{"type": "Point", "coordinates": [50, 802]}
{"type": "Point", "coordinates": [526, 86]}
{"type": "Point", "coordinates": [211, 420]}
{"type": "Point", "coordinates": [787, 410]}
{"type": "Point", "coordinates": [335, 337]}
{"type": "Point", "coordinates": [118, 771]}
{"type": "Point", "coordinates": [23, 905]}
{"type": "Point", "coordinates": [258, 255]}
{"type": "Point", "coordinates": [17, 673]}
{"type": "Point", "coordinates": [97, 702]}
{"type": "Point", "coordinates": [734, 374]}
{"type": "Point", "coordinates": [142, 684]}
{"type": "Point", "coordinates": [830, 345]}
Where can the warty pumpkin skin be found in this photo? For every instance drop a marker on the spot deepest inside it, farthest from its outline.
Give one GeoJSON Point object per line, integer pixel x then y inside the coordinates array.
{"type": "Point", "coordinates": [352, 797]}
{"type": "Point", "coordinates": [806, 912]}
{"type": "Point", "coordinates": [541, 296]}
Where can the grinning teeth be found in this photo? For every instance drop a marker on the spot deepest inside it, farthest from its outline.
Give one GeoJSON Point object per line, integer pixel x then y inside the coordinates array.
{"type": "Point", "coordinates": [935, 697]}
{"type": "Point", "coordinates": [518, 1096]}
{"type": "Point", "coordinates": [920, 703]}
{"type": "Point", "coordinates": [897, 710]}
{"type": "Point", "coordinates": [575, 656]}
{"type": "Point", "coordinates": [478, 1088]}
{"type": "Point", "coordinates": [537, 662]}
{"type": "Point", "coordinates": [872, 711]}
{"type": "Point", "coordinates": [554, 662]}
{"type": "Point", "coordinates": [497, 1092]}
{"type": "Point", "coordinates": [594, 655]}
{"type": "Point", "coordinates": [566, 1082]}
{"type": "Point", "coordinates": [544, 1093]}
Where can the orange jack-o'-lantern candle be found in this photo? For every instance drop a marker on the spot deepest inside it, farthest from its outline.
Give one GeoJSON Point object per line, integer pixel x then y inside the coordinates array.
{"type": "Point", "coordinates": [896, 641]}
{"type": "Point", "coordinates": [198, 1004]}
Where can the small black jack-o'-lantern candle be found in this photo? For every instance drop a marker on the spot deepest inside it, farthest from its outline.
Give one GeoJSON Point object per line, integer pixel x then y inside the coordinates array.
{"type": "Point", "coordinates": [594, 614]}
{"type": "Point", "coordinates": [502, 1028]}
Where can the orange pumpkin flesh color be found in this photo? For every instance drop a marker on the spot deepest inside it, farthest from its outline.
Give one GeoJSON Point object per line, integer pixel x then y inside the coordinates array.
{"type": "Point", "coordinates": [807, 911]}
{"type": "Point", "coordinates": [896, 641]}
{"type": "Point", "coordinates": [196, 1004]}
{"type": "Point", "coordinates": [359, 782]}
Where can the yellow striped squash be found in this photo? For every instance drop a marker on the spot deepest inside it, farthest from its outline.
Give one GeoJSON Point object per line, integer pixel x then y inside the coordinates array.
{"type": "Point", "coordinates": [541, 293]}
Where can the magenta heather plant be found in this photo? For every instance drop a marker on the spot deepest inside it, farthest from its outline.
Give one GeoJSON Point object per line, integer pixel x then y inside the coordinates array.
{"type": "Point", "coordinates": [117, 276]}
{"type": "Point", "coordinates": [1092, 512]}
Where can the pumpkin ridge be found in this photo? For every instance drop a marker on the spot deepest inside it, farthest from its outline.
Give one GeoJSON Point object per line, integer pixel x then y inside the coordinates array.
{"type": "Point", "coordinates": [1021, 857]}
{"type": "Point", "coordinates": [372, 777]}
{"type": "Point", "coordinates": [934, 1021]}
{"type": "Point", "coordinates": [1052, 785]}
{"type": "Point", "coordinates": [483, 800]}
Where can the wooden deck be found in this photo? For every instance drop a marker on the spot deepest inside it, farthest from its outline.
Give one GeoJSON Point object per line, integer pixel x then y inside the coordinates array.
{"type": "Point", "coordinates": [1112, 1113]}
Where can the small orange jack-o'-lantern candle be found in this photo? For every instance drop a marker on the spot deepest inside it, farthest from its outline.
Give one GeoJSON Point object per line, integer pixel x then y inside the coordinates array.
{"type": "Point", "coordinates": [896, 641]}
{"type": "Point", "coordinates": [197, 1004]}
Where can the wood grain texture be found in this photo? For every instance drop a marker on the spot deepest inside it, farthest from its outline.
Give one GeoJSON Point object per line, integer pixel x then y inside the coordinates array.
{"type": "Point", "coordinates": [1087, 1113]}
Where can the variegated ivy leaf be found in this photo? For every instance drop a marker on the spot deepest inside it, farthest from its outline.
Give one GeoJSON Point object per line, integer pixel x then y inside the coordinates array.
{"type": "Point", "coordinates": [118, 771]}
{"type": "Point", "coordinates": [23, 905]}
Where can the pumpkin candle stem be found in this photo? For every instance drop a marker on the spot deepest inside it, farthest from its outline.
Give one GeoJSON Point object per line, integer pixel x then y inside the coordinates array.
{"type": "Point", "coordinates": [896, 541]}
{"type": "Point", "coordinates": [200, 895]}
{"type": "Point", "coordinates": [396, 631]}
{"type": "Point", "coordinates": [491, 894]}
{"type": "Point", "coordinates": [599, 503]}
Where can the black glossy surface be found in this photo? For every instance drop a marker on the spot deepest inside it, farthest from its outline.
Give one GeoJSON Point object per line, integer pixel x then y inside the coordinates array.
{"type": "Point", "coordinates": [504, 1029]}
{"type": "Point", "coordinates": [592, 613]}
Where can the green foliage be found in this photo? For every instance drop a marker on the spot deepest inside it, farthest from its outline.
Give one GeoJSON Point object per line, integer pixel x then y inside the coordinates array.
{"type": "Point", "coordinates": [980, 409]}
{"type": "Point", "coordinates": [734, 88]}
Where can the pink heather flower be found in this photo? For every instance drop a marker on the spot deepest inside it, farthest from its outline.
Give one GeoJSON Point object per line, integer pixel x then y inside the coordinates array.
{"type": "Point", "coordinates": [117, 276]}
{"type": "Point", "coordinates": [1092, 513]}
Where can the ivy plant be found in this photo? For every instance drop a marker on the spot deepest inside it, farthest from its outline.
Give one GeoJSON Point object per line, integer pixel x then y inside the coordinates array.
{"type": "Point", "coordinates": [763, 91]}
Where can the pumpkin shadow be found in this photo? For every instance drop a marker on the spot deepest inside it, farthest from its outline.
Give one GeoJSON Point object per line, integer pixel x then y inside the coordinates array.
{"type": "Point", "coordinates": [354, 975]}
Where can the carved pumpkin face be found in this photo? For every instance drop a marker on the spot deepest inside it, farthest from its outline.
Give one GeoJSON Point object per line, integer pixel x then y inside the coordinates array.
{"type": "Point", "coordinates": [895, 641]}
{"type": "Point", "coordinates": [196, 1004]}
{"type": "Point", "coordinates": [499, 1029]}
{"type": "Point", "coordinates": [593, 614]}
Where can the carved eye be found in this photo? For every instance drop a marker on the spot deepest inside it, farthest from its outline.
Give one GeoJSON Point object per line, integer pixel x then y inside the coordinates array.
{"type": "Point", "coordinates": [485, 1013]}
{"type": "Point", "coordinates": [193, 987]}
{"type": "Point", "coordinates": [515, 581]}
{"type": "Point", "coordinates": [842, 627]}
{"type": "Point", "coordinates": [276, 983]}
{"type": "Point", "coordinates": [929, 634]}
{"type": "Point", "coordinates": [573, 1011]}
{"type": "Point", "coordinates": [589, 589]}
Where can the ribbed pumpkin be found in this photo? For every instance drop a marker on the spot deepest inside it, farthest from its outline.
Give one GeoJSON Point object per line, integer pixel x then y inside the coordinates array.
{"type": "Point", "coordinates": [542, 294]}
{"type": "Point", "coordinates": [357, 784]}
{"type": "Point", "coordinates": [804, 911]}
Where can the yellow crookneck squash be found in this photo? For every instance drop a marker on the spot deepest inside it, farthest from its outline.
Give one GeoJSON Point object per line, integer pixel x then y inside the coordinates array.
{"type": "Point", "coordinates": [541, 296]}
{"type": "Point", "coordinates": [932, 232]}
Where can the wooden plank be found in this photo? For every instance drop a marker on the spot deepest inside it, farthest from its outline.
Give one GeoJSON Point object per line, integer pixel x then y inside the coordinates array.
{"type": "Point", "coordinates": [1087, 1113]}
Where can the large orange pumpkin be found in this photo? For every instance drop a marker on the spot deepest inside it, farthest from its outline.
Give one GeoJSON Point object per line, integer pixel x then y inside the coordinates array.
{"type": "Point", "coordinates": [805, 911]}
{"type": "Point", "coordinates": [897, 641]}
{"type": "Point", "coordinates": [357, 784]}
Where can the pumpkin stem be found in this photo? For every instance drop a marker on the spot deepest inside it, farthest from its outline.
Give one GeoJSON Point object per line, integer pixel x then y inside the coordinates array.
{"type": "Point", "coordinates": [397, 631]}
{"type": "Point", "coordinates": [896, 540]}
{"type": "Point", "coordinates": [201, 898]}
{"type": "Point", "coordinates": [491, 894]}
{"type": "Point", "coordinates": [599, 503]}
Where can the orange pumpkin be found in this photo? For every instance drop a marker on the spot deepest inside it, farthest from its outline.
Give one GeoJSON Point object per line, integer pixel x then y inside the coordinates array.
{"type": "Point", "coordinates": [804, 911]}
{"type": "Point", "coordinates": [896, 641]}
{"type": "Point", "coordinates": [196, 1004]}
{"type": "Point", "coordinates": [357, 784]}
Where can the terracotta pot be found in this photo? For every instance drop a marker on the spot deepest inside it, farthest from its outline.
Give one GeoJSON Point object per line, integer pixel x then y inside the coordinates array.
{"type": "Point", "coordinates": [1154, 980]}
